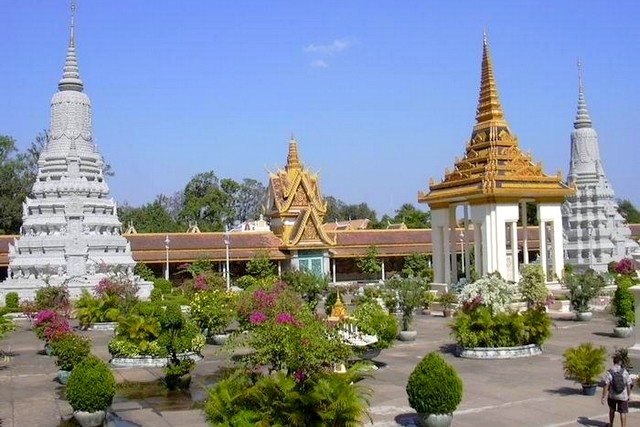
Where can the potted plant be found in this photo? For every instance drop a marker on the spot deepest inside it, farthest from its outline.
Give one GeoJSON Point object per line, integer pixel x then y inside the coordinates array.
{"type": "Point", "coordinates": [69, 349]}
{"type": "Point", "coordinates": [428, 297]}
{"type": "Point", "coordinates": [177, 375]}
{"type": "Point", "coordinates": [448, 300]}
{"type": "Point", "coordinates": [372, 319]}
{"type": "Point", "coordinates": [409, 293]}
{"type": "Point", "coordinates": [585, 364]}
{"type": "Point", "coordinates": [582, 289]}
{"type": "Point", "coordinates": [90, 391]}
{"type": "Point", "coordinates": [623, 307]}
{"type": "Point", "coordinates": [435, 390]}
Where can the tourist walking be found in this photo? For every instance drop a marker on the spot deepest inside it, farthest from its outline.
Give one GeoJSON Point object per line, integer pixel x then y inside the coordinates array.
{"type": "Point", "coordinates": [617, 388]}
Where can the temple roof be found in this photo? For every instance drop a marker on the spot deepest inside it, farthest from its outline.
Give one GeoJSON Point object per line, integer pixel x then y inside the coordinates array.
{"type": "Point", "coordinates": [493, 168]}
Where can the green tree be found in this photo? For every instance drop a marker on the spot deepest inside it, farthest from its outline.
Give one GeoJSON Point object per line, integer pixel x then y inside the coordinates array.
{"type": "Point", "coordinates": [150, 218]}
{"type": "Point", "coordinates": [261, 267]}
{"type": "Point", "coordinates": [206, 201]}
{"type": "Point", "coordinates": [369, 264]}
{"type": "Point", "coordinates": [628, 210]}
{"type": "Point", "coordinates": [14, 185]}
{"type": "Point", "coordinates": [337, 210]}
{"type": "Point", "coordinates": [412, 217]}
{"type": "Point", "coordinates": [417, 265]}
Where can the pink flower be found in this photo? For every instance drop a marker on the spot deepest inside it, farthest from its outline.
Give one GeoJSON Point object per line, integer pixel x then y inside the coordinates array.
{"type": "Point", "coordinates": [625, 267]}
{"type": "Point", "coordinates": [299, 375]}
{"type": "Point", "coordinates": [286, 318]}
{"type": "Point", "coordinates": [200, 283]}
{"type": "Point", "coordinates": [44, 316]}
{"type": "Point", "coordinates": [257, 318]}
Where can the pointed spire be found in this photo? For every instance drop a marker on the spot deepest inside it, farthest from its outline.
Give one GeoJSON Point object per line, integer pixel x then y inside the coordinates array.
{"type": "Point", "coordinates": [489, 106]}
{"type": "Point", "coordinates": [71, 75]}
{"type": "Point", "coordinates": [582, 117]}
{"type": "Point", "coordinates": [293, 160]}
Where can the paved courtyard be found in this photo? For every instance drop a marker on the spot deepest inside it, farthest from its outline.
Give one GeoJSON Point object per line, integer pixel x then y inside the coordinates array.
{"type": "Point", "coordinates": [520, 392]}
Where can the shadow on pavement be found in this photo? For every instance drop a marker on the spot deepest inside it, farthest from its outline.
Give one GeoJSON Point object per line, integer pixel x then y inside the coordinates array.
{"type": "Point", "coordinates": [408, 420]}
{"type": "Point", "coordinates": [603, 334]}
{"type": "Point", "coordinates": [451, 348]}
{"type": "Point", "coordinates": [564, 391]}
{"type": "Point", "coordinates": [584, 421]}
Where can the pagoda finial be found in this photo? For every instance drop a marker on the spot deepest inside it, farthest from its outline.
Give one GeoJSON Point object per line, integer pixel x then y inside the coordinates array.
{"type": "Point", "coordinates": [583, 120]}
{"type": "Point", "coordinates": [71, 75]}
{"type": "Point", "coordinates": [293, 160]}
{"type": "Point", "coordinates": [489, 107]}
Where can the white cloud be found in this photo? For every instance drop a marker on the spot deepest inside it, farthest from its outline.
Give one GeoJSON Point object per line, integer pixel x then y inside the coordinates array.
{"type": "Point", "coordinates": [337, 46]}
{"type": "Point", "coordinates": [319, 63]}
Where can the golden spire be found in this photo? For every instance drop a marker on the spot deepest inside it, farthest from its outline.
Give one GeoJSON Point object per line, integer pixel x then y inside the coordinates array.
{"type": "Point", "coordinates": [489, 111]}
{"type": "Point", "coordinates": [293, 160]}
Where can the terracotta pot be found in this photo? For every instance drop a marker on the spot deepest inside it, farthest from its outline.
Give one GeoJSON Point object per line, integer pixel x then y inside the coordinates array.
{"type": "Point", "coordinates": [436, 420]}
{"type": "Point", "coordinates": [447, 312]}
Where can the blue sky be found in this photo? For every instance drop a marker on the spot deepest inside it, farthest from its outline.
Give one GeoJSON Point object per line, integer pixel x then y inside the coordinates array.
{"type": "Point", "coordinates": [381, 95]}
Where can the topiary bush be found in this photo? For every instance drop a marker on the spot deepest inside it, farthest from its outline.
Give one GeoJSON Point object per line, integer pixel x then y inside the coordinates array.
{"type": "Point", "coordinates": [623, 302]}
{"type": "Point", "coordinates": [70, 349]}
{"type": "Point", "coordinates": [12, 301]}
{"type": "Point", "coordinates": [91, 385]}
{"type": "Point", "coordinates": [532, 285]}
{"type": "Point", "coordinates": [434, 386]}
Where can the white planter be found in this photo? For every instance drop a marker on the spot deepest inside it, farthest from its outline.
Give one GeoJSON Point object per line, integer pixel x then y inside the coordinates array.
{"type": "Point", "coordinates": [436, 420]}
{"type": "Point", "coordinates": [408, 335]}
{"type": "Point", "coordinates": [103, 326]}
{"type": "Point", "coordinates": [622, 332]}
{"type": "Point", "coordinates": [562, 306]}
{"type": "Point", "coordinates": [500, 352]}
{"type": "Point", "coordinates": [149, 361]}
{"type": "Point", "coordinates": [584, 316]}
{"type": "Point", "coordinates": [220, 339]}
{"type": "Point", "coordinates": [89, 419]}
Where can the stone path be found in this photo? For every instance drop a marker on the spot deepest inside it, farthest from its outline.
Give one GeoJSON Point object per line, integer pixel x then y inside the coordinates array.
{"type": "Point", "coordinates": [520, 392]}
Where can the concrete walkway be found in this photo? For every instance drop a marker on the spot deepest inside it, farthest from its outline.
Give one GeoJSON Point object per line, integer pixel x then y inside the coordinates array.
{"type": "Point", "coordinates": [520, 392]}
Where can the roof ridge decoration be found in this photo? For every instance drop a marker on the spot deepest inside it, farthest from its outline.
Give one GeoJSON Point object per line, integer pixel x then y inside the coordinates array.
{"type": "Point", "coordinates": [493, 167]}
{"type": "Point", "coordinates": [71, 74]}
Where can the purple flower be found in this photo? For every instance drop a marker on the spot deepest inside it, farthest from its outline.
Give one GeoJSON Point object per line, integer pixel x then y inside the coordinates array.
{"type": "Point", "coordinates": [257, 318]}
{"type": "Point", "coordinates": [44, 316]}
{"type": "Point", "coordinates": [625, 267]}
{"type": "Point", "coordinates": [286, 318]}
{"type": "Point", "coordinates": [299, 375]}
{"type": "Point", "coordinates": [200, 283]}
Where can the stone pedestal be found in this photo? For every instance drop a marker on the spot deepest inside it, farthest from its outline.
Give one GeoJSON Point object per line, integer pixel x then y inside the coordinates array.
{"type": "Point", "coordinates": [634, 351]}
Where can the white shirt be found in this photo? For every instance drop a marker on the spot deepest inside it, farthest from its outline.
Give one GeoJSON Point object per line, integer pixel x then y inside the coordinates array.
{"type": "Point", "coordinates": [608, 379]}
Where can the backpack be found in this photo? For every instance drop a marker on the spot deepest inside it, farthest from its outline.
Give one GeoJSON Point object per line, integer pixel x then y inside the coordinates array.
{"type": "Point", "coordinates": [618, 384]}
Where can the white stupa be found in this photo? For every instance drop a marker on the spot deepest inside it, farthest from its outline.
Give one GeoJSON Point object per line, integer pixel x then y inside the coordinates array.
{"type": "Point", "coordinates": [594, 231]}
{"type": "Point", "coordinates": [70, 229]}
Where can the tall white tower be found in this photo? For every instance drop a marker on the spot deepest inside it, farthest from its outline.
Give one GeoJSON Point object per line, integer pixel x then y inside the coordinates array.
{"type": "Point", "coordinates": [70, 233]}
{"type": "Point", "coordinates": [594, 232]}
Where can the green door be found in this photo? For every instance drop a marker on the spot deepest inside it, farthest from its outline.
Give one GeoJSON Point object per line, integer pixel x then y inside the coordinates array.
{"type": "Point", "coordinates": [311, 261]}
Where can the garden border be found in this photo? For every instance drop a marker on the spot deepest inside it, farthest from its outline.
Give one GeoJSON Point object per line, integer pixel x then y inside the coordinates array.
{"type": "Point", "coordinates": [499, 352]}
{"type": "Point", "coordinates": [103, 326]}
{"type": "Point", "coordinates": [150, 361]}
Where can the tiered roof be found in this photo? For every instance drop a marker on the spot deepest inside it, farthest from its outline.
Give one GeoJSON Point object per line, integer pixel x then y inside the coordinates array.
{"type": "Point", "coordinates": [493, 168]}
{"type": "Point", "coordinates": [295, 204]}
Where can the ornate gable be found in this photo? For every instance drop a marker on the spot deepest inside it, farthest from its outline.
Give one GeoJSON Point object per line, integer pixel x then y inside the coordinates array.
{"type": "Point", "coordinates": [295, 205]}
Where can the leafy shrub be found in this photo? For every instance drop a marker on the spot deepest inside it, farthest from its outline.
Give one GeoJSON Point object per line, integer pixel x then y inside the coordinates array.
{"type": "Point", "coordinates": [12, 301]}
{"type": "Point", "coordinates": [480, 328]}
{"type": "Point", "coordinates": [268, 298]}
{"type": "Point", "coordinates": [307, 284]}
{"type": "Point", "coordinates": [369, 264]}
{"type": "Point", "coordinates": [261, 267]}
{"type": "Point", "coordinates": [6, 325]}
{"type": "Point", "coordinates": [144, 272]}
{"type": "Point", "coordinates": [281, 400]}
{"type": "Point", "coordinates": [585, 363]}
{"type": "Point", "coordinates": [330, 301]}
{"type": "Point", "coordinates": [174, 371]}
{"type": "Point", "coordinates": [583, 288]}
{"type": "Point", "coordinates": [626, 267]}
{"type": "Point", "coordinates": [374, 320]}
{"type": "Point", "coordinates": [434, 386]}
{"type": "Point", "coordinates": [623, 302]}
{"type": "Point", "coordinates": [92, 310]}
{"type": "Point", "coordinates": [48, 325]}
{"type": "Point", "coordinates": [91, 385]}
{"type": "Point", "coordinates": [410, 293]}
{"type": "Point", "coordinates": [493, 291]}
{"type": "Point", "coordinates": [213, 310]}
{"type": "Point", "coordinates": [448, 300]}
{"type": "Point", "coordinates": [161, 287]}
{"type": "Point", "coordinates": [53, 298]}
{"type": "Point", "coordinates": [70, 349]}
{"type": "Point", "coordinates": [532, 285]}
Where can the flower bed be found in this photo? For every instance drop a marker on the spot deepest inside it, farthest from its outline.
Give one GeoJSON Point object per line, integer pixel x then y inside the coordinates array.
{"type": "Point", "coordinates": [500, 352]}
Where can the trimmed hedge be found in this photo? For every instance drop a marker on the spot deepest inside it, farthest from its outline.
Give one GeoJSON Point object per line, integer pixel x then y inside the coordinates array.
{"type": "Point", "coordinates": [70, 349]}
{"type": "Point", "coordinates": [91, 386]}
{"type": "Point", "coordinates": [434, 386]}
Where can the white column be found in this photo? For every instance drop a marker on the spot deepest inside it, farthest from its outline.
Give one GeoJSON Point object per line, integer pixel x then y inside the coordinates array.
{"type": "Point", "coordinates": [634, 351]}
{"type": "Point", "coordinates": [525, 234]}
{"type": "Point", "coordinates": [446, 253]}
{"type": "Point", "coordinates": [453, 244]}
{"type": "Point", "coordinates": [514, 250]}
{"type": "Point", "coordinates": [382, 269]}
{"type": "Point", "coordinates": [550, 213]}
{"type": "Point", "coordinates": [439, 225]}
{"type": "Point", "coordinates": [558, 245]}
{"type": "Point", "coordinates": [477, 248]}
{"type": "Point", "coordinates": [543, 246]}
{"type": "Point", "coordinates": [279, 268]}
{"type": "Point", "coordinates": [465, 252]}
{"type": "Point", "coordinates": [333, 270]}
